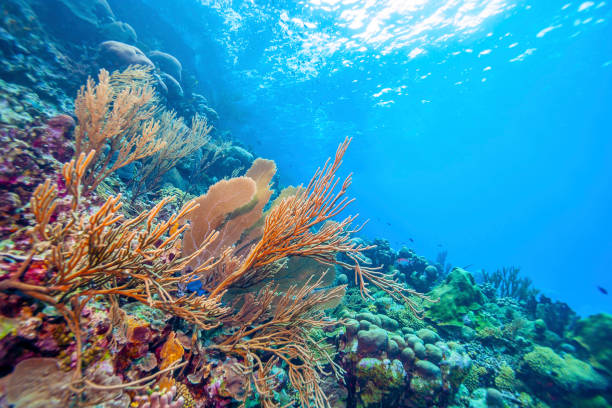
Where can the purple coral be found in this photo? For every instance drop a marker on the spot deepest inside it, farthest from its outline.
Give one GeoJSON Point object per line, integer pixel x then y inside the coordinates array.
{"type": "Point", "coordinates": [159, 400]}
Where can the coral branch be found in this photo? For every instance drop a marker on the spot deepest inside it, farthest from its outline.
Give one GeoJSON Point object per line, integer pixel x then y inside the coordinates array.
{"type": "Point", "coordinates": [280, 325]}
{"type": "Point", "coordinates": [288, 231]}
{"type": "Point", "coordinates": [116, 122]}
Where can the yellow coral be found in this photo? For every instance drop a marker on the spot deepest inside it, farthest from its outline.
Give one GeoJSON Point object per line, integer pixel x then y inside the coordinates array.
{"type": "Point", "coordinates": [183, 391]}
{"type": "Point", "coordinates": [506, 379]}
{"type": "Point", "coordinates": [472, 380]}
{"type": "Point", "coordinates": [171, 352]}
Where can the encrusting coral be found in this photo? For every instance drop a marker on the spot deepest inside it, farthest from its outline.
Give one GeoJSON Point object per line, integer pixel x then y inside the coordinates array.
{"type": "Point", "coordinates": [94, 255]}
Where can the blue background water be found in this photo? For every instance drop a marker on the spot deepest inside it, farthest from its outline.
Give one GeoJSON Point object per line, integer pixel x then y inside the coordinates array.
{"type": "Point", "coordinates": [480, 127]}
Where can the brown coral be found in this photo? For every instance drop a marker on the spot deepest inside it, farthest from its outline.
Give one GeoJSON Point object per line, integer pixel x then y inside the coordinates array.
{"type": "Point", "coordinates": [38, 383]}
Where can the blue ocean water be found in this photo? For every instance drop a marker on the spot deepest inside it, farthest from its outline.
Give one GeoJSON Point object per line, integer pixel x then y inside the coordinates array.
{"type": "Point", "coordinates": [481, 127]}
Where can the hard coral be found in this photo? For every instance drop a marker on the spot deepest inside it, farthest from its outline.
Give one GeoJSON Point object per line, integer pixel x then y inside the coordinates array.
{"type": "Point", "coordinates": [98, 262]}
{"type": "Point", "coordinates": [121, 55]}
{"type": "Point", "coordinates": [162, 400]}
{"type": "Point", "coordinates": [38, 383]}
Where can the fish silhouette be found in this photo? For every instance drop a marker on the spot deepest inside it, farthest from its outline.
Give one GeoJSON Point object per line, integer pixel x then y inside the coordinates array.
{"type": "Point", "coordinates": [602, 290]}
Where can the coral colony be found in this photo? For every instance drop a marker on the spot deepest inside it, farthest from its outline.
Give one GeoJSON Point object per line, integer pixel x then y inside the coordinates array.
{"type": "Point", "coordinates": [147, 262]}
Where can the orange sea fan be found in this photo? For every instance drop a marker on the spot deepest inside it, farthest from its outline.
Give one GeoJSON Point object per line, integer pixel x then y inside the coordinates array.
{"type": "Point", "coordinates": [232, 207]}
{"type": "Point", "coordinates": [288, 228]}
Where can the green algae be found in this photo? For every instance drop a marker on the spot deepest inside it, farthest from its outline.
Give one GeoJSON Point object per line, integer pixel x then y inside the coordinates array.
{"type": "Point", "coordinates": [458, 295]}
{"type": "Point", "coordinates": [595, 335]}
{"type": "Point", "coordinates": [561, 374]}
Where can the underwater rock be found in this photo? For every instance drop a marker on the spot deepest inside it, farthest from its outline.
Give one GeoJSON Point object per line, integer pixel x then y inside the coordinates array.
{"type": "Point", "coordinates": [457, 295]}
{"type": "Point", "coordinates": [420, 351]}
{"type": "Point", "coordinates": [393, 348]}
{"type": "Point", "coordinates": [167, 63]}
{"type": "Point", "coordinates": [74, 20]}
{"type": "Point", "coordinates": [381, 254]}
{"type": "Point", "coordinates": [27, 157]}
{"type": "Point", "coordinates": [413, 268]}
{"type": "Point", "coordinates": [342, 279]}
{"type": "Point", "coordinates": [115, 54]}
{"type": "Point", "coordinates": [9, 45]}
{"type": "Point", "coordinates": [22, 107]}
{"type": "Point", "coordinates": [594, 334]}
{"type": "Point", "coordinates": [557, 378]}
{"type": "Point", "coordinates": [369, 317]}
{"type": "Point", "coordinates": [388, 323]}
{"type": "Point", "coordinates": [244, 156]}
{"type": "Point", "coordinates": [407, 355]}
{"type": "Point", "coordinates": [56, 138]}
{"type": "Point", "coordinates": [431, 272]}
{"type": "Point", "coordinates": [226, 380]}
{"type": "Point", "coordinates": [102, 373]}
{"type": "Point", "coordinates": [38, 383]}
{"type": "Point", "coordinates": [119, 31]}
{"type": "Point", "coordinates": [428, 369]}
{"type": "Point", "coordinates": [434, 354]}
{"type": "Point", "coordinates": [335, 392]}
{"type": "Point", "coordinates": [372, 341]}
{"type": "Point", "coordinates": [456, 364]}
{"type": "Point", "coordinates": [425, 390]}
{"type": "Point", "coordinates": [427, 335]}
{"type": "Point", "coordinates": [175, 91]}
{"type": "Point", "coordinates": [32, 58]}
{"type": "Point", "coordinates": [409, 261]}
{"type": "Point", "coordinates": [173, 177]}
{"type": "Point", "coordinates": [230, 159]}
{"type": "Point", "coordinates": [352, 327]}
{"type": "Point", "coordinates": [207, 111]}
{"type": "Point", "coordinates": [379, 381]}
{"type": "Point", "coordinates": [494, 398]}
{"type": "Point", "coordinates": [557, 315]}
{"type": "Point", "coordinates": [540, 327]}
{"type": "Point", "coordinates": [399, 340]}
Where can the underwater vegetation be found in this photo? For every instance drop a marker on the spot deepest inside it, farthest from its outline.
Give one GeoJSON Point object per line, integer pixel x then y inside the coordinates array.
{"type": "Point", "coordinates": [90, 253]}
{"type": "Point", "coordinates": [506, 282]}
{"type": "Point", "coordinates": [149, 260]}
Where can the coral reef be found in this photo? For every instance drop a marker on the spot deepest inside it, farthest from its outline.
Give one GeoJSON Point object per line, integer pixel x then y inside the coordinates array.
{"type": "Point", "coordinates": [146, 260]}
{"type": "Point", "coordinates": [98, 265]}
{"type": "Point", "coordinates": [458, 296]}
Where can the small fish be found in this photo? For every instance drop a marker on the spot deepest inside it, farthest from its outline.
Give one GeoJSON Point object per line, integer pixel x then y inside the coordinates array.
{"type": "Point", "coordinates": [196, 286]}
{"type": "Point", "coordinates": [402, 261]}
{"type": "Point", "coordinates": [602, 290]}
{"type": "Point", "coordinates": [389, 224]}
{"type": "Point", "coordinates": [410, 239]}
{"type": "Point", "coordinates": [467, 266]}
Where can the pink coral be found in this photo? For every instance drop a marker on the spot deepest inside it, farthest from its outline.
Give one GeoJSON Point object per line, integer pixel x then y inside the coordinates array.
{"type": "Point", "coordinates": [55, 138]}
